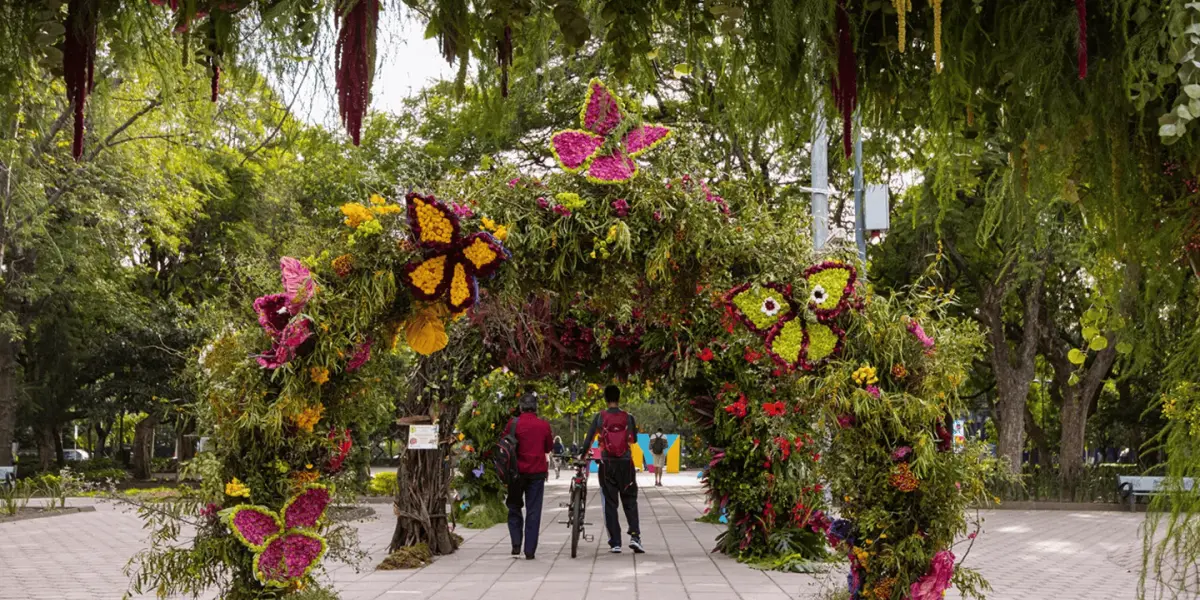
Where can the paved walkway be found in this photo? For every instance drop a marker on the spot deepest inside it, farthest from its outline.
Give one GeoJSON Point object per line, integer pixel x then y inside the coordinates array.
{"type": "Point", "coordinates": [1031, 555]}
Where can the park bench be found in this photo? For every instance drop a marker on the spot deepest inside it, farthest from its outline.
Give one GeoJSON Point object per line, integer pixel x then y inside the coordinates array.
{"type": "Point", "coordinates": [1132, 486]}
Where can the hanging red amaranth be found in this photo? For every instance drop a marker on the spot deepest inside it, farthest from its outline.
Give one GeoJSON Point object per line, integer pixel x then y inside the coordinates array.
{"type": "Point", "coordinates": [216, 76]}
{"type": "Point", "coordinates": [79, 62]}
{"type": "Point", "coordinates": [845, 86]}
{"type": "Point", "coordinates": [1081, 10]}
{"type": "Point", "coordinates": [505, 52]}
{"type": "Point", "coordinates": [355, 55]}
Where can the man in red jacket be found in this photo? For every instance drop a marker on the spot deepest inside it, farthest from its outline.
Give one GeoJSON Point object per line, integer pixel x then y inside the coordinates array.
{"type": "Point", "coordinates": [534, 442]}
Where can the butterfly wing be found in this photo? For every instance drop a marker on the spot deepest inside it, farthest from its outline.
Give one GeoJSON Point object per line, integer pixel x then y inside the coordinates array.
{"type": "Point", "coordinates": [614, 167]}
{"type": "Point", "coordinates": [760, 307]}
{"type": "Point", "coordinates": [289, 557]}
{"type": "Point", "coordinates": [464, 288]}
{"type": "Point", "coordinates": [785, 341]}
{"type": "Point", "coordinates": [796, 343]}
{"type": "Point", "coordinates": [483, 253]}
{"type": "Point", "coordinates": [822, 342]}
{"type": "Point", "coordinates": [644, 138]}
{"type": "Point", "coordinates": [306, 508]}
{"type": "Point", "coordinates": [253, 525]}
{"type": "Point", "coordinates": [574, 148]}
{"type": "Point", "coordinates": [433, 224]}
{"type": "Point", "coordinates": [830, 288]}
{"type": "Point", "coordinates": [602, 110]}
{"type": "Point", "coordinates": [430, 278]}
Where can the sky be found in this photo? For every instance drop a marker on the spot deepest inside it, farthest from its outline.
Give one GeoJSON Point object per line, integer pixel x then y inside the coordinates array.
{"type": "Point", "coordinates": [405, 64]}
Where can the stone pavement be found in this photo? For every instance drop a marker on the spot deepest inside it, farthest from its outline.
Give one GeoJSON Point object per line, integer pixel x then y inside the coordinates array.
{"type": "Point", "coordinates": [1026, 555]}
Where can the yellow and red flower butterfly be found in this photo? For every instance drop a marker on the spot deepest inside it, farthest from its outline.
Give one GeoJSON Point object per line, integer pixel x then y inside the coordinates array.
{"type": "Point", "coordinates": [798, 336]}
{"type": "Point", "coordinates": [454, 262]}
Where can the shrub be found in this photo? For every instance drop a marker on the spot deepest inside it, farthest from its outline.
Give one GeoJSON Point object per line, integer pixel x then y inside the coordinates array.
{"type": "Point", "coordinates": [382, 484]}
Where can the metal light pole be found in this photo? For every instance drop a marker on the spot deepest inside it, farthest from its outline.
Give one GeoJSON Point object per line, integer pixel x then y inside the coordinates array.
{"type": "Point", "coordinates": [820, 176]}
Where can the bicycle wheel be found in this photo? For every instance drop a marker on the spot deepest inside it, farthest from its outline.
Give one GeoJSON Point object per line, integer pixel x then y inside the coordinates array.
{"type": "Point", "coordinates": [578, 498]}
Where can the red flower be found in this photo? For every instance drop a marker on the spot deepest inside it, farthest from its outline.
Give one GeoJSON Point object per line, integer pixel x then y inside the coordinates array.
{"type": "Point", "coordinates": [706, 354]}
{"type": "Point", "coordinates": [799, 443]}
{"type": "Point", "coordinates": [817, 457]}
{"type": "Point", "coordinates": [751, 355]}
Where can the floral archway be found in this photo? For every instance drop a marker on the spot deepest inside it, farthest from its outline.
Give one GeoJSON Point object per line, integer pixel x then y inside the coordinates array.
{"type": "Point", "coordinates": [628, 264]}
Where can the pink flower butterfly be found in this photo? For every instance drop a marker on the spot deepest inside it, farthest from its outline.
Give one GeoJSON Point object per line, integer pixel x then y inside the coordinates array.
{"type": "Point", "coordinates": [606, 159]}
{"type": "Point", "coordinates": [287, 547]}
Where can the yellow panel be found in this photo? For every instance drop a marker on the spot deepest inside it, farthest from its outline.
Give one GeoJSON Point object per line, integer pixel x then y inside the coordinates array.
{"type": "Point", "coordinates": [673, 455]}
{"type": "Point", "coordinates": [638, 459]}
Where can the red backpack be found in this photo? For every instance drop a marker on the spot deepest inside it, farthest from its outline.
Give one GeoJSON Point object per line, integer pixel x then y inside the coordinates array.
{"type": "Point", "coordinates": [614, 433]}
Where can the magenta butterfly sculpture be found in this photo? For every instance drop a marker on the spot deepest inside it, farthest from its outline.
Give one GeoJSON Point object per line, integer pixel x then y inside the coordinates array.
{"type": "Point", "coordinates": [287, 547]}
{"type": "Point", "coordinates": [608, 142]}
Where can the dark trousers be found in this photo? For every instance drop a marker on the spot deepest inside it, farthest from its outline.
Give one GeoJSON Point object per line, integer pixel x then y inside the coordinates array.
{"type": "Point", "coordinates": [618, 483]}
{"type": "Point", "coordinates": [526, 492]}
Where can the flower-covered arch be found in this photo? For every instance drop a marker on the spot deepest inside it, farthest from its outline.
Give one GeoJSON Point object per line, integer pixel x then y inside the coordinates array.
{"type": "Point", "coordinates": [716, 305]}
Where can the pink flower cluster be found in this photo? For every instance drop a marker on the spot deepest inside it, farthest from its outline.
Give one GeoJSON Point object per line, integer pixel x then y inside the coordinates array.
{"type": "Point", "coordinates": [255, 526]}
{"type": "Point", "coordinates": [621, 207]}
{"type": "Point", "coordinates": [306, 508]}
{"type": "Point", "coordinates": [915, 328]}
{"type": "Point", "coordinates": [462, 211]}
{"type": "Point", "coordinates": [709, 196]}
{"type": "Point", "coordinates": [900, 453]}
{"type": "Point", "coordinates": [933, 584]}
{"type": "Point", "coordinates": [562, 210]}
{"type": "Point", "coordinates": [288, 557]}
{"type": "Point", "coordinates": [360, 357]}
{"type": "Point", "coordinates": [873, 391]}
{"type": "Point", "coordinates": [275, 313]}
{"type": "Point", "coordinates": [543, 203]}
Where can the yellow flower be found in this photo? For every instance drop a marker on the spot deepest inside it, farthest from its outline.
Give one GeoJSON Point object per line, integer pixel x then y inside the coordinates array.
{"type": "Point", "coordinates": [425, 331]}
{"type": "Point", "coordinates": [389, 209]}
{"type": "Point", "coordinates": [493, 425]}
{"type": "Point", "coordinates": [612, 234]}
{"type": "Point", "coordinates": [377, 200]}
{"type": "Point", "coordinates": [356, 214]}
{"type": "Point", "coordinates": [488, 224]}
{"type": "Point", "coordinates": [461, 435]}
{"type": "Point", "coordinates": [501, 233]}
{"type": "Point", "coordinates": [865, 375]}
{"type": "Point", "coordinates": [308, 466]}
{"type": "Point", "coordinates": [309, 417]}
{"type": "Point", "coordinates": [237, 489]}
{"type": "Point", "coordinates": [319, 375]}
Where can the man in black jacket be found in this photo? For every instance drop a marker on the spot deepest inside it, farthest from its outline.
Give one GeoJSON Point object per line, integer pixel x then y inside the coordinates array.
{"type": "Point", "coordinates": [618, 479]}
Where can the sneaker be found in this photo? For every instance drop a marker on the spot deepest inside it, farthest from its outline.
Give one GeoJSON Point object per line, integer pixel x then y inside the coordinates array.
{"type": "Point", "coordinates": [636, 544]}
{"type": "Point", "coordinates": [615, 549]}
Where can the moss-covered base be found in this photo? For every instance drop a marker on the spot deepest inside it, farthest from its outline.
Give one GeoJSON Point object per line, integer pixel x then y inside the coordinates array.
{"type": "Point", "coordinates": [408, 557]}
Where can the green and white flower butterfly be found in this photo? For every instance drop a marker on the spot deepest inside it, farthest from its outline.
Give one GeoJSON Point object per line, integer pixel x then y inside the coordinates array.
{"type": "Point", "coordinates": [799, 333]}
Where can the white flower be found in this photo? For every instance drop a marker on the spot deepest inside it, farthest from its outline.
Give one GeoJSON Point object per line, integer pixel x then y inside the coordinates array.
{"type": "Point", "coordinates": [770, 306]}
{"type": "Point", "coordinates": [818, 295]}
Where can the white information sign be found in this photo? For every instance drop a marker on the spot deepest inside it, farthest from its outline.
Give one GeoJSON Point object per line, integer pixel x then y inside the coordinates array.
{"type": "Point", "coordinates": [422, 437]}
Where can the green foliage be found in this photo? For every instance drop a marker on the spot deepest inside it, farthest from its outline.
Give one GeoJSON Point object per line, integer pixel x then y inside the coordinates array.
{"type": "Point", "coordinates": [897, 477]}
{"type": "Point", "coordinates": [408, 557]}
{"type": "Point", "coordinates": [382, 484]}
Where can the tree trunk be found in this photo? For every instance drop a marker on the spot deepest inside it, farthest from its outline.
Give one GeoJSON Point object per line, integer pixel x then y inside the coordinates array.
{"type": "Point", "coordinates": [1078, 403]}
{"type": "Point", "coordinates": [46, 446]}
{"type": "Point", "coordinates": [423, 479]}
{"type": "Point", "coordinates": [101, 439]}
{"type": "Point", "coordinates": [143, 446]}
{"type": "Point", "coordinates": [1039, 439]}
{"type": "Point", "coordinates": [1014, 368]}
{"type": "Point", "coordinates": [424, 476]}
{"type": "Point", "coordinates": [8, 401]}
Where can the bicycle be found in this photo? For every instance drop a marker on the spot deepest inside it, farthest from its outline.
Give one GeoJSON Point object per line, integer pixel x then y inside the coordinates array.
{"type": "Point", "coordinates": [577, 506]}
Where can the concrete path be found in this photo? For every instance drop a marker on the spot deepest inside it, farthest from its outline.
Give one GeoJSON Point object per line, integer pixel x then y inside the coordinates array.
{"type": "Point", "coordinates": [1030, 555]}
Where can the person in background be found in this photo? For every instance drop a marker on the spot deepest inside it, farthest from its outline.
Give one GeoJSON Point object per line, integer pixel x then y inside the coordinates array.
{"type": "Point", "coordinates": [658, 451]}
{"type": "Point", "coordinates": [534, 442]}
{"type": "Point", "coordinates": [557, 458]}
{"type": "Point", "coordinates": [618, 480]}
